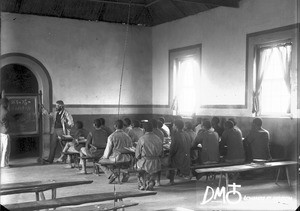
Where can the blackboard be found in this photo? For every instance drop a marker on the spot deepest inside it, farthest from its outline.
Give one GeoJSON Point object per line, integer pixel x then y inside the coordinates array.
{"type": "Point", "coordinates": [23, 115]}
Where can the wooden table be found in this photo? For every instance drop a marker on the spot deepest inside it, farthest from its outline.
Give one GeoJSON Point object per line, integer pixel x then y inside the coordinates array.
{"type": "Point", "coordinates": [39, 187]}
{"type": "Point", "coordinates": [76, 200]}
{"type": "Point", "coordinates": [247, 167]}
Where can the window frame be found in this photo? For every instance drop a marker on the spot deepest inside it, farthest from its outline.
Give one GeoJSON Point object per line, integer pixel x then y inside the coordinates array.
{"type": "Point", "coordinates": [269, 38]}
{"type": "Point", "coordinates": [272, 45]}
{"type": "Point", "coordinates": [175, 55]}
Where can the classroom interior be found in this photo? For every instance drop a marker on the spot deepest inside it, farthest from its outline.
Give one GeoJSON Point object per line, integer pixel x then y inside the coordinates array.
{"type": "Point", "coordinates": [120, 70]}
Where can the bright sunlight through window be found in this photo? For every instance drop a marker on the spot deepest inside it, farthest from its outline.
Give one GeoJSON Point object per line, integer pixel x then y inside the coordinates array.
{"type": "Point", "coordinates": [186, 79]}
{"type": "Point", "coordinates": [275, 96]}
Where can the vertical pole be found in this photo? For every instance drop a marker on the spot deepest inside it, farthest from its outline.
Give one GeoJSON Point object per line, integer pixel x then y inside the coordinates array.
{"type": "Point", "coordinates": [40, 119]}
{"type": "Point", "coordinates": [124, 57]}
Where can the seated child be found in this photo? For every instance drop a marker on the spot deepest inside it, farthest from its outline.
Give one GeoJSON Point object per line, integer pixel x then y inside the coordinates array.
{"type": "Point", "coordinates": [74, 146]}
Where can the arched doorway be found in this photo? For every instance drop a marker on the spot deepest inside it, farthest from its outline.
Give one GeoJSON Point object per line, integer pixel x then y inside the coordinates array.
{"type": "Point", "coordinates": [25, 75]}
{"type": "Point", "coordinates": [17, 79]}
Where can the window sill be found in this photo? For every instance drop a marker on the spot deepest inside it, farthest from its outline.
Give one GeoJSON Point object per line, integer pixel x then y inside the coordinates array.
{"type": "Point", "coordinates": [282, 116]}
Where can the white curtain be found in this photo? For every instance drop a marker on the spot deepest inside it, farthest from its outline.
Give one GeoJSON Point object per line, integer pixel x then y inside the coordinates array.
{"type": "Point", "coordinates": [262, 61]}
{"type": "Point", "coordinates": [174, 105]}
{"type": "Point", "coordinates": [186, 80]}
{"type": "Point", "coordinates": [285, 55]}
{"type": "Point", "coordinates": [262, 58]}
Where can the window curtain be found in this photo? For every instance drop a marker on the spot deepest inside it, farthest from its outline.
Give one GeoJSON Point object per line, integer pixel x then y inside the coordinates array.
{"type": "Point", "coordinates": [186, 77]}
{"type": "Point", "coordinates": [261, 60]}
{"type": "Point", "coordinates": [178, 73]}
{"type": "Point", "coordinates": [285, 56]}
{"type": "Point", "coordinates": [174, 105]}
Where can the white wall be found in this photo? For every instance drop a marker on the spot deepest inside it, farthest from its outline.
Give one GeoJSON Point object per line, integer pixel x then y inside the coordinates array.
{"type": "Point", "coordinates": [84, 59]}
{"type": "Point", "coordinates": [222, 33]}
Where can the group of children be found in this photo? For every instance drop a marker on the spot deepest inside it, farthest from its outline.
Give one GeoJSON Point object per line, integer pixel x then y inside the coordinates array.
{"type": "Point", "coordinates": [229, 142]}
{"type": "Point", "coordinates": [204, 143]}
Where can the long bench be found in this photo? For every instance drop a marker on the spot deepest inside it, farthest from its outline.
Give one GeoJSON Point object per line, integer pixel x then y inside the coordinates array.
{"type": "Point", "coordinates": [95, 160]}
{"type": "Point", "coordinates": [211, 165]}
{"type": "Point", "coordinates": [225, 170]}
{"type": "Point", "coordinates": [102, 207]}
{"type": "Point", "coordinates": [117, 168]}
{"type": "Point", "coordinates": [75, 156]}
{"type": "Point", "coordinates": [76, 200]}
{"type": "Point", "coordinates": [38, 187]}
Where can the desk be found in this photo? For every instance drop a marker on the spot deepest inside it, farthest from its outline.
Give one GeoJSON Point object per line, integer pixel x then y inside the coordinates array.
{"type": "Point", "coordinates": [39, 186]}
{"type": "Point", "coordinates": [248, 167]}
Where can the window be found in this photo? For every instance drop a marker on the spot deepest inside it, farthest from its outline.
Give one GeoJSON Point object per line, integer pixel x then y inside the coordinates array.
{"type": "Point", "coordinates": [273, 87]}
{"type": "Point", "coordinates": [185, 80]}
{"type": "Point", "coordinates": [272, 72]}
{"type": "Point", "coordinates": [185, 86]}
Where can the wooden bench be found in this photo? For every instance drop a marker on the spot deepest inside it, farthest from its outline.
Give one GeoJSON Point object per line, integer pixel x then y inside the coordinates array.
{"type": "Point", "coordinates": [38, 187]}
{"type": "Point", "coordinates": [77, 200]}
{"type": "Point", "coordinates": [247, 167]}
{"type": "Point", "coordinates": [95, 160]}
{"type": "Point", "coordinates": [197, 166]}
{"type": "Point", "coordinates": [211, 175]}
{"type": "Point", "coordinates": [117, 167]}
{"type": "Point", "coordinates": [99, 207]}
{"type": "Point", "coordinates": [64, 139]}
{"type": "Point", "coordinates": [73, 156]}
{"type": "Point", "coordinates": [165, 168]}
{"type": "Point", "coordinates": [223, 164]}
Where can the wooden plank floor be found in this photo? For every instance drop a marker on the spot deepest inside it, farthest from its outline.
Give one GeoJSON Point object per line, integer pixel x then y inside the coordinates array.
{"type": "Point", "coordinates": [185, 194]}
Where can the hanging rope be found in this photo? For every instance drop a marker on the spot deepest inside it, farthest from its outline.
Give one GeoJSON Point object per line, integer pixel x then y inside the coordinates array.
{"type": "Point", "coordinates": [124, 56]}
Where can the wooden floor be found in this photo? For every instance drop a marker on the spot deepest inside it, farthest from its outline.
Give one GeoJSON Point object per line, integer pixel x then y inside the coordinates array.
{"type": "Point", "coordinates": [257, 193]}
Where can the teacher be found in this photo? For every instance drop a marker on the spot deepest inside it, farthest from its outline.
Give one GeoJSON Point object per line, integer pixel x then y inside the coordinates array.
{"type": "Point", "coordinates": [61, 124]}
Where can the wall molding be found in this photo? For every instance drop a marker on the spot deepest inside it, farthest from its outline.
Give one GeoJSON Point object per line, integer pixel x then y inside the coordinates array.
{"type": "Point", "coordinates": [112, 106]}
{"type": "Point", "coordinates": [225, 106]}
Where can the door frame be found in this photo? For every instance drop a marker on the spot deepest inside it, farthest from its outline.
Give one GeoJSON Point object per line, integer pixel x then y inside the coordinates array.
{"type": "Point", "coordinates": [44, 85]}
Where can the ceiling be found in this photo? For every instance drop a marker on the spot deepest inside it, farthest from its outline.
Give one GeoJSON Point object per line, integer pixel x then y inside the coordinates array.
{"type": "Point", "coordinates": [142, 12]}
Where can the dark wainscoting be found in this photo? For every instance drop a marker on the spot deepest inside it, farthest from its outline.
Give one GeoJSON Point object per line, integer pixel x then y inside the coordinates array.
{"type": "Point", "coordinates": [283, 134]}
{"type": "Point", "coordinates": [283, 131]}
{"type": "Point", "coordinates": [109, 119]}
